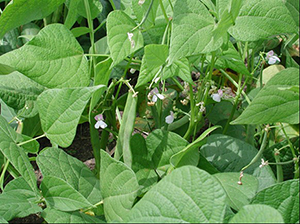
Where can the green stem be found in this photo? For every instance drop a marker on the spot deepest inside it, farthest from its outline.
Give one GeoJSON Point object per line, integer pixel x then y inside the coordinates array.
{"type": "Point", "coordinates": [260, 152]}
{"type": "Point", "coordinates": [145, 17]}
{"type": "Point", "coordinates": [235, 84]}
{"type": "Point", "coordinates": [236, 101]}
{"type": "Point", "coordinates": [292, 150]}
{"type": "Point", "coordinates": [3, 174]}
{"type": "Point", "coordinates": [30, 140]}
{"type": "Point", "coordinates": [163, 10]}
{"type": "Point", "coordinates": [279, 171]}
{"type": "Point", "coordinates": [192, 117]}
{"type": "Point", "coordinates": [112, 4]}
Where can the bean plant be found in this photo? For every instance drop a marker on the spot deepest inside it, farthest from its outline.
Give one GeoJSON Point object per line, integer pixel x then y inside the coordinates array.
{"type": "Point", "coordinates": [192, 108]}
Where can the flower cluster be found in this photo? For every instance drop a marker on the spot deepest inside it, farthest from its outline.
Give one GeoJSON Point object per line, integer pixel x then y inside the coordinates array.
{"type": "Point", "coordinates": [272, 58]}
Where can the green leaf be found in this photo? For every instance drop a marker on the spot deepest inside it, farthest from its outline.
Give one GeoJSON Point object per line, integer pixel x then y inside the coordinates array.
{"type": "Point", "coordinates": [220, 111]}
{"type": "Point", "coordinates": [119, 25]}
{"type": "Point", "coordinates": [192, 22]}
{"type": "Point", "coordinates": [5, 69]}
{"type": "Point", "coordinates": [32, 146]}
{"type": "Point", "coordinates": [56, 216]}
{"type": "Point", "coordinates": [230, 58]}
{"type": "Point", "coordinates": [228, 154]}
{"type": "Point", "coordinates": [271, 103]}
{"type": "Point", "coordinates": [55, 162]}
{"type": "Point", "coordinates": [146, 179]}
{"type": "Point", "coordinates": [15, 204]}
{"type": "Point", "coordinates": [2, 220]}
{"type": "Point", "coordinates": [282, 196]}
{"type": "Point", "coordinates": [293, 7]}
{"type": "Point", "coordinates": [162, 145]}
{"type": "Point", "coordinates": [140, 11]}
{"type": "Point", "coordinates": [19, 12]}
{"type": "Point", "coordinates": [95, 8]}
{"type": "Point", "coordinates": [261, 19]}
{"type": "Point", "coordinates": [154, 57]}
{"type": "Point", "coordinates": [126, 129]}
{"type": "Point", "coordinates": [61, 195]}
{"type": "Point", "coordinates": [237, 195]}
{"type": "Point", "coordinates": [190, 154]}
{"type": "Point", "coordinates": [188, 194]}
{"type": "Point", "coordinates": [60, 111]}
{"type": "Point", "coordinates": [180, 68]}
{"type": "Point", "coordinates": [17, 91]}
{"type": "Point", "coordinates": [18, 200]}
{"type": "Point", "coordinates": [59, 64]}
{"type": "Point", "coordinates": [257, 214]}
{"type": "Point", "coordinates": [119, 188]}
{"type": "Point", "coordinates": [15, 154]}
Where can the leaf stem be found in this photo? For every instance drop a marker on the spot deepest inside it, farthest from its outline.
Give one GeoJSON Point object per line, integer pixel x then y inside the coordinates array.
{"type": "Point", "coordinates": [30, 140]}
{"type": "Point", "coordinates": [3, 174]}
{"type": "Point", "coordinates": [163, 10]}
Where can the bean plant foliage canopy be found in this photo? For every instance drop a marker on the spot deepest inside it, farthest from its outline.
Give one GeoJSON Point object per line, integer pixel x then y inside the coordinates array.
{"type": "Point", "coordinates": [192, 107]}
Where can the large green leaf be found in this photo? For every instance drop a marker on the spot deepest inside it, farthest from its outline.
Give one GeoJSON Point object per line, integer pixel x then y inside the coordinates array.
{"type": "Point", "coordinates": [257, 214]}
{"type": "Point", "coordinates": [119, 28]}
{"type": "Point", "coordinates": [60, 111]}
{"type": "Point", "coordinates": [14, 205]}
{"type": "Point", "coordinates": [237, 195]}
{"type": "Point", "coordinates": [119, 187]}
{"type": "Point", "coordinates": [18, 200]}
{"type": "Point", "coordinates": [271, 103]}
{"type": "Point", "coordinates": [192, 30]}
{"type": "Point", "coordinates": [293, 7]}
{"type": "Point", "coordinates": [229, 154]}
{"type": "Point", "coordinates": [15, 154]}
{"type": "Point", "coordinates": [162, 145]}
{"type": "Point", "coordinates": [55, 162]}
{"type": "Point", "coordinates": [21, 93]}
{"type": "Point", "coordinates": [56, 216]}
{"type": "Point", "coordinates": [260, 19]}
{"type": "Point", "coordinates": [188, 194]}
{"type": "Point", "coordinates": [53, 58]}
{"type": "Point", "coordinates": [126, 129]}
{"type": "Point", "coordinates": [284, 197]}
{"type": "Point", "coordinates": [61, 195]}
{"type": "Point", "coordinates": [19, 12]}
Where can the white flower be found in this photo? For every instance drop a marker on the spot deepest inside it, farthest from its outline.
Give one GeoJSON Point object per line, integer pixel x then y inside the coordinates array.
{"type": "Point", "coordinates": [154, 95]}
{"type": "Point", "coordinates": [170, 118]}
{"type": "Point", "coordinates": [100, 122]}
{"type": "Point", "coordinates": [141, 2]}
{"type": "Point", "coordinates": [272, 58]}
{"type": "Point", "coordinates": [263, 163]}
{"type": "Point", "coordinates": [217, 96]}
{"type": "Point", "coordinates": [130, 35]}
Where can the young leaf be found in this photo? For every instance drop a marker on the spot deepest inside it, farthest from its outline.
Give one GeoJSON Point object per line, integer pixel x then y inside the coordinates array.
{"type": "Point", "coordinates": [55, 162]}
{"type": "Point", "coordinates": [271, 103]}
{"type": "Point", "coordinates": [228, 154]}
{"type": "Point", "coordinates": [237, 195]}
{"type": "Point", "coordinates": [20, 12]}
{"type": "Point", "coordinates": [122, 39]}
{"type": "Point", "coordinates": [59, 64]}
{"type": "Point", "coordinates": [60, 111]}
{"type": "Point", "coordinates": [192, 22]}
{"type": "Point", "coordinates": [56, 216]}
{"type": "Point", "coordinates": [188, 195]}
{"type": "Point", "coordinates": [61, 195]}
{"type": "Point", "coordinates": [282, 196]}
{"type": "Point", "coordinates": [260, 19]}
{"type": "Point", "coordinates": [257, 214]}
{"type": "Point", "coordinates": [119, 188]}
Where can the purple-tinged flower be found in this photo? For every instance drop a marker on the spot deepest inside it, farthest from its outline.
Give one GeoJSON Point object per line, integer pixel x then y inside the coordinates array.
{"type": "Point", "coordinates": [100, 122]}
{"type": "Point", "coordinates": [170, 118]}
{"type": "Point", "coordinates": [272, 58]}
{"type": "Point", "coordinates": [154, 95]}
